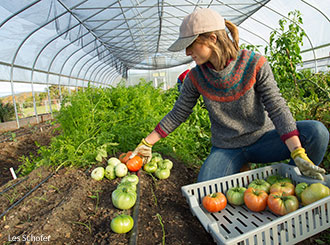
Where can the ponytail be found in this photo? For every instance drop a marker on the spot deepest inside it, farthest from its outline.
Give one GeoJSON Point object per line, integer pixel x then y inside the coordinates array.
{"type": "Point", "coordinates": [234, 33]}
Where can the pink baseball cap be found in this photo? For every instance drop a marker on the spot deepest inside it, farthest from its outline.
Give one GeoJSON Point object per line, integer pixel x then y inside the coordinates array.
{"type": "Point", "coordinates": [200, 21]}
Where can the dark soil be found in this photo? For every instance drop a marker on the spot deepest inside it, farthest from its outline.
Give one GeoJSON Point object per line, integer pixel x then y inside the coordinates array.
{"type": "Point", "coordinates": [71, 208]}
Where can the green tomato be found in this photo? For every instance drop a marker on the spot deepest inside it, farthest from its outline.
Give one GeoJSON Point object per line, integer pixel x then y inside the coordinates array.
{"type": "Point", "coordinates": [123, 198]}
{"type": "Point", "coordinates": [122, 223]}
{"type": "Point", "coordinates": [132, 178]}
{"type": "Point", "coordinates": [162, 173]}
{"type": "Point", "coordinates": [110, 172]}
{"type": "Point", "coordinates": [166, 164]}
{"type": "Point", "coordinates": [156, 154]}
{"type": "Point", "coordinates": [128, 185]}
{"type": "Point", "coordinates": [156, 157]}
{"type": "Point", "coordinates": [272, 179]}
{"type": "Point", "coordinates": [260, 184]}
{"type": "Point", "coordinates": [113, 161]}
{"type": "Point", "coordinates": [121, 170]}
{"type": "Point", "coordinates": [235, 195]}
{"type": "Point", "coordinates": [150, 167]}
{"type": "Point", "coordinates": [300, 188]}
{"type": "Point", "coordinates": [98, 173]}
{"type": "Point", "coordinates": [314, 192]}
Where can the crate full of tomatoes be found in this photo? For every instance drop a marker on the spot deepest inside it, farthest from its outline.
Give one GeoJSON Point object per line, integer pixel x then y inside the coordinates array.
{"type": "Point", "coordinates": [269, 205]}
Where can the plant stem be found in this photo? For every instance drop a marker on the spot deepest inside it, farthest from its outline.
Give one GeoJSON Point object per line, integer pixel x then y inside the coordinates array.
{"type": "Point", "coordinates": [162, 225]}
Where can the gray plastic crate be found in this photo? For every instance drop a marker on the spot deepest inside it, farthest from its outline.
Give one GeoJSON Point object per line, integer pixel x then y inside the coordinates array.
{"type": "Point", "coordinates": [239, 225]}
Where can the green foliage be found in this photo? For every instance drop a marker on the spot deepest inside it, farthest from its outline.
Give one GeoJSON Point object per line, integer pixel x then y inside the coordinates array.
{"type": "Point", "coordinates": [7, 111]}
{"type": "Point", "coordinates": [307, 93]}
{"type": "Point", "coordinates": [251, 47]}
{"type": "Point", "coordinates": [284, 50]}
{"type": "Point", "coordinates": [113, 119]}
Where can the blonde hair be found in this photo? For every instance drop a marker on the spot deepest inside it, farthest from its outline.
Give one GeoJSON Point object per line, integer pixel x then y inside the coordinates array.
{"type": "Point", "coordinates": [225, 48]}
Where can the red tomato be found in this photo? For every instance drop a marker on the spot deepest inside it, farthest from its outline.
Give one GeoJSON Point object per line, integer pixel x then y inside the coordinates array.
{"type": "Point", "coordinates": [125, 156]}
{"type": "Point", "coordinates": [281, 203]}
{"type": "Point", "coordinates": [134, 164]}
{"type": "Point", "coordinates": [214, 202]}
{"type": "Point", "coordinates": [255, 200]}
{"type": "Point", "coordinates": [286, 187]}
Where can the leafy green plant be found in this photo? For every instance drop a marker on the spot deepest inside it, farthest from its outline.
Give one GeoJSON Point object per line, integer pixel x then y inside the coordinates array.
{"type": "Point", "coordinates": [7, 111]}
{"type": "Point", "coordinates": [284, 50]}
{"type": "Point", "coordinates": [97, 197]}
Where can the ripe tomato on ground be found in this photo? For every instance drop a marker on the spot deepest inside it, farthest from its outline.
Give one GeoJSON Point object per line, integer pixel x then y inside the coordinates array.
{"type": "Point", "coordinates": [281, 203]}
{"type": "Point", "coordinates": [286, 187]}
{"type": "Point", "coordinates": [214, 202]}
{"type": "Point", "coordinates": [134, 164]}
{"type": "Point", "coordinates": [125, 156]}
{"type": "Point", "coordinates": [255, 199]}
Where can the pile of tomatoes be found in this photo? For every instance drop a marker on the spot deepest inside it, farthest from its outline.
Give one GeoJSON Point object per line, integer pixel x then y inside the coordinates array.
{"type": "Point", "coordinates": [277, 193]}
{"type": "Point", "coordinates": [124, 196]}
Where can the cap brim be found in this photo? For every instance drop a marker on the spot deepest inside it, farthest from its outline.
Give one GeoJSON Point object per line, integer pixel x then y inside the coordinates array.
{"type": "Point", "coordinates": [182, 43]}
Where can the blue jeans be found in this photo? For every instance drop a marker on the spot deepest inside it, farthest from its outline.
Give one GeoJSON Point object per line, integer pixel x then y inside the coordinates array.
{"type": "Point", "coordinates": [314, 137]}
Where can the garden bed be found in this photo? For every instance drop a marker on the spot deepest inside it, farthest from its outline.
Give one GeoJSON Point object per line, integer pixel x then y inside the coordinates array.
{"type": "Point", "coordinates": [71, 208]}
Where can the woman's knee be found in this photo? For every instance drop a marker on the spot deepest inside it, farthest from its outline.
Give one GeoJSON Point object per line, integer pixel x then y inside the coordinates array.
{"type": "Point", "coordinates": [320, 132]}
{"type": "Point", "coordinates": [315, 130]}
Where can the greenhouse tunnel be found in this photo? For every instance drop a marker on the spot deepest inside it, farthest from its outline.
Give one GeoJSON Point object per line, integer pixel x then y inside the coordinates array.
{"type": "Point", "coordinates": [73, 44]}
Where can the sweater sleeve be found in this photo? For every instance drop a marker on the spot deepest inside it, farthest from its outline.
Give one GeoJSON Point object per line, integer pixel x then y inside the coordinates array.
{"type": "Point", "coordinates": [274, 103]}
{"type": "Point", "coordinates": [181, 110]}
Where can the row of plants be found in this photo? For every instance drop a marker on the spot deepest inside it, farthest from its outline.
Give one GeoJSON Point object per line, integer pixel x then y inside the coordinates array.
{"type": "Point", "coordinates": [115, 120]}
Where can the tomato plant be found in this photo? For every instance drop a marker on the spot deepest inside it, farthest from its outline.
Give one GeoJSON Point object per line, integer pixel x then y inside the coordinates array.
{"type": "Point", "coordinates": [255, 199]}
{"type": "Point", "coordinates": [260, 184]}
{"type": "Point", "coordinates": [125, 156]}
{"type": "Point", "coordinates": [281, 203]}
{"type": "Point", "coordinates": [286, 187]}
{"type": "Point", "coordinates": [214, 202]}
{"type": "Point", "coordinates": [122, 223]}
{"type": "Point", "coordinates": [235, 195]}
{"type": "Point", "coordinates": [314, 192]}
{"type": "Point", "coordinates": [134, 164]}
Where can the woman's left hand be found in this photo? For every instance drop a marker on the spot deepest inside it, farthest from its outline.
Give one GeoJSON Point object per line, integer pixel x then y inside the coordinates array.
{"type": "Point", "coordinates": [306, 166]}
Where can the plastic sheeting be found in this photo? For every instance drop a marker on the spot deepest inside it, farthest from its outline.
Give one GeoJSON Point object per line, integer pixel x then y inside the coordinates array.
{"type": "Point", "coordinates": [73, 42]}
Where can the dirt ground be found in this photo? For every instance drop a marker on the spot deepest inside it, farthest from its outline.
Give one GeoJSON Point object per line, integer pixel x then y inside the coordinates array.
{"type": "Point", "coordinates": [71, 208]}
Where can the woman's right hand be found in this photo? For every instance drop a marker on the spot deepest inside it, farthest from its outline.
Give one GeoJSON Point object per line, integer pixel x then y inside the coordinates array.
{"type": "Point", "coordinates": [144, 151]}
